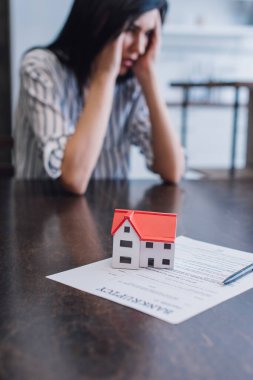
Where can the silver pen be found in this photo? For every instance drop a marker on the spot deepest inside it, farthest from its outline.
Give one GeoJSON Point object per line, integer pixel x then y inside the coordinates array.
{"type": "Point", "coordinates": [240, 273]}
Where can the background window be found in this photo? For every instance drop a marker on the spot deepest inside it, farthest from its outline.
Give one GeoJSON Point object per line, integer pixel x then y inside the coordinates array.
{"type": "Point", "coordinates": [126, 229]}
{"type": "Point", "coordinates": [149, 245]}
{"type": "Point", "coordinates": [126, 243]}
{"type": "Point", "coordinates": [167, 246]}
{"type": "Point", "coordinates": [166, 262]}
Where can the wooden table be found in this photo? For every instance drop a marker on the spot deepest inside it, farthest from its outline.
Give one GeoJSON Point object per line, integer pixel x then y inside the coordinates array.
{"type": "Point", "coordinates": [51, 331]}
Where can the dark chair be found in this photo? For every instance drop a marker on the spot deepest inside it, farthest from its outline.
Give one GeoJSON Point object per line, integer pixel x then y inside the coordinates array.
{"type": "Point", "coordinates": [6, 147]}
{"type": "Point", "coordinates": [187, 86]}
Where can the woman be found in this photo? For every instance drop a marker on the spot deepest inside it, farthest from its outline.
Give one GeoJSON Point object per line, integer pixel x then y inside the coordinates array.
{"type": "Point", "coordinates": [92, 93]}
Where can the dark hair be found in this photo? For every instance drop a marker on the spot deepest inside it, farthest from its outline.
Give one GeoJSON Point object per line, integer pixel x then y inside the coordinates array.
{"type": "Point", "coordinates": [91, 24]}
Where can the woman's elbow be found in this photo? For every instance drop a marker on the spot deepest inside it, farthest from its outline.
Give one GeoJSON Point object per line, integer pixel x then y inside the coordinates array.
{"type": "Point", "coordinates": [179, 169]}
{"type": "Point", "coordinates": [74, 185]}
{"type": "Point", "coordinates": [173, 173]}
{"type": "Point", "coordinates": [172, 177]}
{"type": "Point", "coordinates": [179, 172]}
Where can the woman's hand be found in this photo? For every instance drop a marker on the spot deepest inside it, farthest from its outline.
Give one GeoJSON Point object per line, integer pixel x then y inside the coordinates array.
{"type": "Point", "coordinates": [145, 64]}
{"type": "Point", "coordinates": [109, 59]}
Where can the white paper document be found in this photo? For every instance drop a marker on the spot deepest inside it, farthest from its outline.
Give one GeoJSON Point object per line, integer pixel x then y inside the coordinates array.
{"type": "Point", "coordinates": [174, 296]}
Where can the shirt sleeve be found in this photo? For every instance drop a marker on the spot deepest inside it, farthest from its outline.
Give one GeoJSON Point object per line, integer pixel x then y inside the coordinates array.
{"type": "Point", "coordinates": [141, 130]}
{"type": "Point", "coordinates": [50, 125]}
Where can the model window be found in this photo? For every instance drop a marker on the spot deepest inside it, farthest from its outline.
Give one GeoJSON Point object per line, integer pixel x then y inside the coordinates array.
{"type": "Point", "coordinates": [150, 262]}
{"type": "Point", "coordinates": [125, 260]}
{"type": "Point", "coordinates": [126, 229]}
{"type": "Point", "coordinates": [166, 262]}
{"type": "Point", "coordinates": [126, 243]}
{"type": "Point", "coordinates": [149, 245]}
{"type": "Point", "coordinates": [167, 246]}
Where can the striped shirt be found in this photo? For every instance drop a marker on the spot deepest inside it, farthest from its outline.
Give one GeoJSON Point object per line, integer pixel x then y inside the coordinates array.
{"type": "Point", "coordinates": [48, 111]}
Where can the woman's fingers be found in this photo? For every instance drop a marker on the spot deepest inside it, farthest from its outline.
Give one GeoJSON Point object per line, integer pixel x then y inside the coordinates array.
{"type": "Point", "coordinates": [109, 59]}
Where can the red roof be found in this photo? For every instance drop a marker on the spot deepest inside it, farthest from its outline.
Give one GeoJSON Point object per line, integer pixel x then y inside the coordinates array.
{"type": "Point", "coordinates": [150, 226]}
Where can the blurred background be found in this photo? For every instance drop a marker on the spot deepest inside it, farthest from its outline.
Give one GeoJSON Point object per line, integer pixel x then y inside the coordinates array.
{"type": "Point", "coordinates": [203, 40]}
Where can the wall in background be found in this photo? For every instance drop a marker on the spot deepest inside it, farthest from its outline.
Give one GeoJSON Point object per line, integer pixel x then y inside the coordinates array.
{"type": "Point", "coordinates": [209, 40]}
{"type": "Point", "coordinates": [200, 43]}
{"type": "Point", "coordinates": [210, 12]}
{"type": "Point", "coordinates": [33, 22]}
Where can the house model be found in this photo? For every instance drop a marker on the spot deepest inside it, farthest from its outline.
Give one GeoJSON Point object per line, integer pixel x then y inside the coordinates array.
{"type": "Point", "coordinates": [143, 239]}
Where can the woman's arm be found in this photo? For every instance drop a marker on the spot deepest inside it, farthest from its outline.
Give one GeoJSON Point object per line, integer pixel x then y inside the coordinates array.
{"type": "Point", "coordinates": [84, 146]}
{"type": "Point", "coordinates": [168, 153]}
